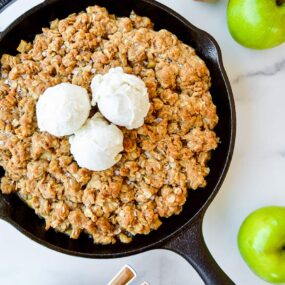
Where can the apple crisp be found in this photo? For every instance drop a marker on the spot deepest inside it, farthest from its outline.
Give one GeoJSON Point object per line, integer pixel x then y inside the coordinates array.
{"type": "Point", "coordinates": [161, 161]}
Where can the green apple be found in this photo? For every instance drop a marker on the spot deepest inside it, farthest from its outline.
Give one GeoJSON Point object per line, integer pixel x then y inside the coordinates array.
{"type": "Point", "coordinates": [258, 24]}
{"type": "Point", "coordinates": [261, 241]}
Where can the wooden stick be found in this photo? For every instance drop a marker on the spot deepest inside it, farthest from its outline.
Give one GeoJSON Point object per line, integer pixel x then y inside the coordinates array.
{"type": "Point", "coordinates": [124, 276]}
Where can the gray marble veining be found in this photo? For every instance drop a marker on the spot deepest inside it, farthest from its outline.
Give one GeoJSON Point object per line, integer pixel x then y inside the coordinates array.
{"type": "Point", "coordinates": [268, 71]}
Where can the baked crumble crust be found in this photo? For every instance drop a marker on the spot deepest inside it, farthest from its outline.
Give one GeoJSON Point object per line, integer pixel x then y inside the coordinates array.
{"type": "Point", "coordinates": [161, 159]}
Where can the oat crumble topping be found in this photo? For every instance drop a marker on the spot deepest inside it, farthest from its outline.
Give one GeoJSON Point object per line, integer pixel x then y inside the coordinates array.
{"type": "Point", "coordinates": [161, 160]}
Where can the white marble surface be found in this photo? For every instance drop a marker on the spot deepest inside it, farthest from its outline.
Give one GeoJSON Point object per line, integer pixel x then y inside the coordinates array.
{"type": "Point", "coordinates": [256, 177]}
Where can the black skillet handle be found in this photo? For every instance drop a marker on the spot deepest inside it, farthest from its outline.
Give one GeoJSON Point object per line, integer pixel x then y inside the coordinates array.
{"type": "Point", "coordinates": [191, 245]}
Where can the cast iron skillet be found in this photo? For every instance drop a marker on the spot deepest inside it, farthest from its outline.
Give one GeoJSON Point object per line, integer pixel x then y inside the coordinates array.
{"type": "Point", "coordinates": [182, 233]}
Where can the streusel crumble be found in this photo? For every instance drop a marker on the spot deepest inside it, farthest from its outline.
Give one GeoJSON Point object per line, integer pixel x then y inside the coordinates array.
{"type": "Point", "coordinates": [161, 160]}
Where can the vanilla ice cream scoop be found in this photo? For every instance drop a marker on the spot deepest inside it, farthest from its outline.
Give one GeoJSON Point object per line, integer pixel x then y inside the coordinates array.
{"type": "Point", "coordinates": [122, 98]}
{"type": "Point", "coordinates": [96, 146]}
{"type": "Point", "coordinates": [63, 109]}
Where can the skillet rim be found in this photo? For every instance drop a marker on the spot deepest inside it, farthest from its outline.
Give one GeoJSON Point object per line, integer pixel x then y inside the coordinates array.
{"type": "Point", "coordinates": [232, 135]}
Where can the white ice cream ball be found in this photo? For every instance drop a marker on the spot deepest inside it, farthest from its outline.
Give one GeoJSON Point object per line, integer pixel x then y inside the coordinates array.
{"type": "Point", "coordinates": [97, 144]}
{"type": "Point", "coordinates": [62, 109]}
{"type": "Point", "coordinates": [122, 98]}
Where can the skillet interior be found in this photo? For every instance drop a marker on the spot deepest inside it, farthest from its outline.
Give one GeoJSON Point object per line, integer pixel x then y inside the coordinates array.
{"type": "Point", "coordinates": [30, 24]}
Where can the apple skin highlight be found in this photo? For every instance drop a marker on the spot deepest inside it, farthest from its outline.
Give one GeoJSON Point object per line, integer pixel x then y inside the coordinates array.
{"type": "Point", "coordinates": [257, 24]}
{"type": "Point", "coordinates": [261, 241]}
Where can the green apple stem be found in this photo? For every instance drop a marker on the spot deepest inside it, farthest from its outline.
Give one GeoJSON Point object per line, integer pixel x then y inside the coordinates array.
{"type": "Point", "coordinates": [280, 2]}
